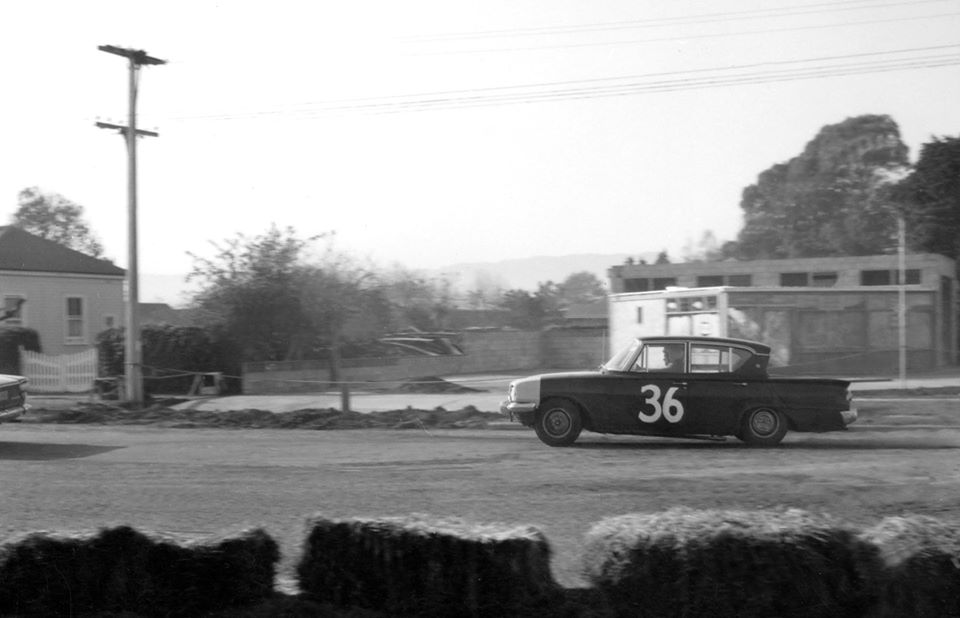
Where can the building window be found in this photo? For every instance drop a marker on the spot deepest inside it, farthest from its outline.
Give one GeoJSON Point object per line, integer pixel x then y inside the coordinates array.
{"type": "Point", "coordinates": [889, 277]}
{"type": "Point", "coordinates": [662, 283]}
{"type": "Point", "coordinates": [709, 281]}
{"type": "Point", "coordinates": [794, 280]}
{"type": "Point", "coordinates": [636, 285]}
{"type": "Point", "coordinates": [13, 309]}
{"type": "Point", "coordinates": [639, 315]}
{"type": "Point", "coordinates": [740, 281]}
{"type": "Point", "coordinates": [824, 279]}
{"type": "Point", "coordinates": [875, 277]}
{"type": "Point", "coordinates": [76, 321]}
{"type": "Point", "coordinates": [913, 276]}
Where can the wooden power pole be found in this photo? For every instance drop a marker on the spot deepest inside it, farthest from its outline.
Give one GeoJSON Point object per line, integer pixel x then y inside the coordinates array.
{"type": "Point", "coordinates": [133, 380]}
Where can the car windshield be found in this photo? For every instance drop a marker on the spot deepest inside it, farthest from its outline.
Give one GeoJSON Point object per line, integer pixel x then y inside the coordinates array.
{"type": "Point", "coordinates": [621, 360]}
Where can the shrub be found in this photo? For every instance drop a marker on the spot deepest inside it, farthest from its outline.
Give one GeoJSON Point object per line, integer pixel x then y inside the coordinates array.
{"type": "Point", "coordinates": [691, 563]}
{"type": "Point", "coordinates": [123, 570]}
{"type": "Point", "coordinates": [427, 567]}
{"type": "Point", "coordinates": [12, 338]}
{"type": "Point", "coordinates": [921, 557]}
{"type": "Point", "coordinates": [171, 356]}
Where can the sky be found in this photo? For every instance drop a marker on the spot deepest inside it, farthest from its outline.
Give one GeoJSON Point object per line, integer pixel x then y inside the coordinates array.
{"type": "Point", "coordinates": [430, 133]}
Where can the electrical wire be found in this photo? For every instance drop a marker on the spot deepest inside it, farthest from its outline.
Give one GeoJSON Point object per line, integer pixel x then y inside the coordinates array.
{"type": "Point", "coordinates": [686, 37]}
{"type": "Point", "coordinates": [667, 81]}
{"type": "Point", "coordinates": [701, 18]}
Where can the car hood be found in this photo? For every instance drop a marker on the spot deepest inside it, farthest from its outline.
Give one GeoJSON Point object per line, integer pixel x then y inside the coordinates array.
{"type": "Point", "coordinates": [566, 375]}
{"type": "Point", "coordinates": [7, 380]}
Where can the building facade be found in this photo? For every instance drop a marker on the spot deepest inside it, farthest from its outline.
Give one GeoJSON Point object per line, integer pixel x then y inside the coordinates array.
{"type": "Point", "coordinates": [820, 315]}
{"type": "Point", "coordinates": [66, 296]}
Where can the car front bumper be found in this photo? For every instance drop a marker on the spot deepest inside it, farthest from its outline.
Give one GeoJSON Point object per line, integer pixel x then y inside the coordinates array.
{"type": "Point", "coordinates": [15, 412]}
{"type": "Point", "coordinates": [519, 410]}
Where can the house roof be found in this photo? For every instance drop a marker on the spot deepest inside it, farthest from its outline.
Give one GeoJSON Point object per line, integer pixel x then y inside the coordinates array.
{"type": "Point", "coordinates": [21, 250]}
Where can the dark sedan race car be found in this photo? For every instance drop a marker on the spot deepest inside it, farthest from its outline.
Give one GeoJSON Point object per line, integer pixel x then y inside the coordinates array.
{"type": "Point", "coordinates": [12, 397]}
{"type": "Point", "coordinates": [682, 387]}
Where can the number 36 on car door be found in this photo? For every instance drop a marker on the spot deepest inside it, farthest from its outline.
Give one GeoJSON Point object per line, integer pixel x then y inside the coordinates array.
{"type": "Point", "coordinates": [657, 405]}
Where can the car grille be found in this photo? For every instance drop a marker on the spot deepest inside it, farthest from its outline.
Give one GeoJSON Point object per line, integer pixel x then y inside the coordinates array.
{"type": "Point", "coordinates": [10, 396]}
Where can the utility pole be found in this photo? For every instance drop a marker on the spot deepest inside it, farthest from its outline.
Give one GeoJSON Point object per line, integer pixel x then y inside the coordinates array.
{"type": "Point", "coordinates": [133, 375]}
{"type": "Point", "coordinates": [902, 297]}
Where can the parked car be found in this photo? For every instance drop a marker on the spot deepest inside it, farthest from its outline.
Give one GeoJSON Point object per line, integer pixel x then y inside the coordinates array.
{"type": "Point", "coordinates": [13, 397]}
{"type": "Point", "coordinates": [682, 387]}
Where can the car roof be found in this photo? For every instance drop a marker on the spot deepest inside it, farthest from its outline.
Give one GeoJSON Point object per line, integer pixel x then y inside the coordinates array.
{"type": "Point", "coordinates": [756, 347]}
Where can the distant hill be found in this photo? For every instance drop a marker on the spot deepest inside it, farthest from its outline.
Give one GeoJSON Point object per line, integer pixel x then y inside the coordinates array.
{"type": "Point", "coordinates": [526, 273]}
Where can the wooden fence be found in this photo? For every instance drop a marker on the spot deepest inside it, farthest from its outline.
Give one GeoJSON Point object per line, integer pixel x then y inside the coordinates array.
{"type": "Point", "coordinates": [68, 373]}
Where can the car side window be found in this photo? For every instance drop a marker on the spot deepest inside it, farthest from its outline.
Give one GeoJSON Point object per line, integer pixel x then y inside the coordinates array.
{"type": "Point", "coordinates": [716, 358]}
{"type": "Point", "coordinates": [668, 357]}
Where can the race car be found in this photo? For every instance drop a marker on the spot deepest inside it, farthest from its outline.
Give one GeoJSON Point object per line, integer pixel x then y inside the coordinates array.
{"type": "Point", "coordinates": [682, 387]}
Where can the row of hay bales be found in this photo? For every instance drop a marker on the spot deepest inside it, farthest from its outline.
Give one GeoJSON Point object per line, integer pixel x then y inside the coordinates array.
{"type": "Point", "coordinates": [682, 562]}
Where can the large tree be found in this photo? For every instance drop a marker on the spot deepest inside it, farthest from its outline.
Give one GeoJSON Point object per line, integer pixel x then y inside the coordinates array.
{"type": "Point", "coordinates": [54, 217]}
{"type": "Point", "coordinates": [829, 200]}
{"type": "Point", "coordinates": [930, 198]}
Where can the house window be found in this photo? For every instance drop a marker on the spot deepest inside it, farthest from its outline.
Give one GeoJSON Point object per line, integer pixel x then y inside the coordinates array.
{"type": "Point", "coordinates": [709, 281]}
{"type": "Point", "coordinates": [13, 309]}
{"type": "Point", "coordinates": [824, 279]}
{"type": "Point", "coordinates": [76, 321]}
{"type": "Point", "coordinates": [794, 280]}
{"type": "Point", "coordinates": [636, 285]}
{"type": "Point", "coordinates": [662, 283]}
{"type": "Point", "coordinates": [913, 276]}
{"type": "Point", "coordinates": [740, 281]}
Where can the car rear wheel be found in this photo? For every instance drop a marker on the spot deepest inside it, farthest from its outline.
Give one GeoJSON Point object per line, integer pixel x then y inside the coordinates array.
{"type": "Point", "coordinates": [763, 427]}
{"type": "Point", "coordinates": [558, 423]}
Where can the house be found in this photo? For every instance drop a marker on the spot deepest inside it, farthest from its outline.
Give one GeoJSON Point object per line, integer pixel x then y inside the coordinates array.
{"type": "Point", "coordinates": [66, 296]}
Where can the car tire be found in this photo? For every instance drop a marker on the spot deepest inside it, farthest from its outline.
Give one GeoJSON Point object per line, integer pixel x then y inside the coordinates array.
{"type": "Point", "coordinates": [763, 427]}
{"type": "Point", "coordinates": [558, 423]}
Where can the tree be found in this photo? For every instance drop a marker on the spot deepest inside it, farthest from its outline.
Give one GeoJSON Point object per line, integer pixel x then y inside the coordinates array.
{"type": "Point", "coordinates": [250, 289]}
{"type": "Point", "coordinates": [930, 198]}
{"type": "Point", "coordinates": [54, 217]}
{"type": "Point", "coordinates": [418, 301]}
{"type": "Point", "coordinates": [829, 200]}
{"type": "Point", "coordinates": [581, 287]}
{"type": "Point", "coordinates": [663, 258]}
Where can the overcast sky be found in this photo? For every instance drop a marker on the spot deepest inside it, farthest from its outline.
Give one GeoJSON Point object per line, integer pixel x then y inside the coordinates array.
{"type": "Point", "coordinates": [431, 133]}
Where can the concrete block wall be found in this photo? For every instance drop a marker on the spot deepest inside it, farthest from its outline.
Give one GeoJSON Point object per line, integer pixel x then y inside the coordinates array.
{"type": "Point", "coordinates": [485, 351]}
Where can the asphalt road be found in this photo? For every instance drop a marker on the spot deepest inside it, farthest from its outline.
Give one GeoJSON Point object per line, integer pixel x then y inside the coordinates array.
{"type": "Point", "coordinates": [206, 481]}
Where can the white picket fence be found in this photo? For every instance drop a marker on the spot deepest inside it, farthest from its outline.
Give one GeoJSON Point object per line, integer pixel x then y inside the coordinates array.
{"type": "Point", "coordinates": [68, 373]}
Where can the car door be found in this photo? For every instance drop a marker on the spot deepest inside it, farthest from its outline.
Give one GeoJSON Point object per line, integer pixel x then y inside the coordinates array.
{"type": "Point", "coordinates": [649, 398]}
{"type": "Point", "coordinates": [715, 391]}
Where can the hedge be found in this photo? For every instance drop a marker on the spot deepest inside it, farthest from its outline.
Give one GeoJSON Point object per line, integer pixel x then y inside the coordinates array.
{"type": "Point", "coordinates": [685, 562]}
{"type": "Point", "coordinates": [427, 567]}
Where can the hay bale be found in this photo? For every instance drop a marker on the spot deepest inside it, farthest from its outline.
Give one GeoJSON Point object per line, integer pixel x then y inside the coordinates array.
{"type": "Point", "coordinates": [423, 566]}
{"type": "Point", "coordinates": [689, 563]}
{"type": "Point", "coordinates": [921, 560]}
{"type": "Point", "coordinates": [123, 570]}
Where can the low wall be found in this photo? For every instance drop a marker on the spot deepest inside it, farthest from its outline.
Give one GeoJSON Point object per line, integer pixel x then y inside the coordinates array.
{"type": "Point", "coordinates": [484, 351]}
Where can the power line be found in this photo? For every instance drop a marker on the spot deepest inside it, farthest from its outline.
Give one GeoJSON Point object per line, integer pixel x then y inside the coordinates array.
{"type": "Point", "coordinates": [701, 18]}
{"type": "Point", "coordinates": [733, 75]}
{"type": "Point", "coordinates": [686, 37]}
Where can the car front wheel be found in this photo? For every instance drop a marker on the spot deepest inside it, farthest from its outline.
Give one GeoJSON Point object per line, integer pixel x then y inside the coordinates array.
{"type": "Point", "coordinates": [558, 423]}
{"type": "Point", "coordinates": [763, 427]}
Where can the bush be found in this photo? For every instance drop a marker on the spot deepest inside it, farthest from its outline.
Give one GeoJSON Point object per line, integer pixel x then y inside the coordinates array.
{"type": "Point", "coordinates": [12, 338]}
{"type": "Point", "coordinates": [123, 570]}
{"type": "Point", "coordinates": [427, 568]}
{"type": "Point", "coordinates": [172, 355]}
{"type": "Point", "coordinates": [921, 557]}
{"type": "Point", "coordinates": [691, 563]}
